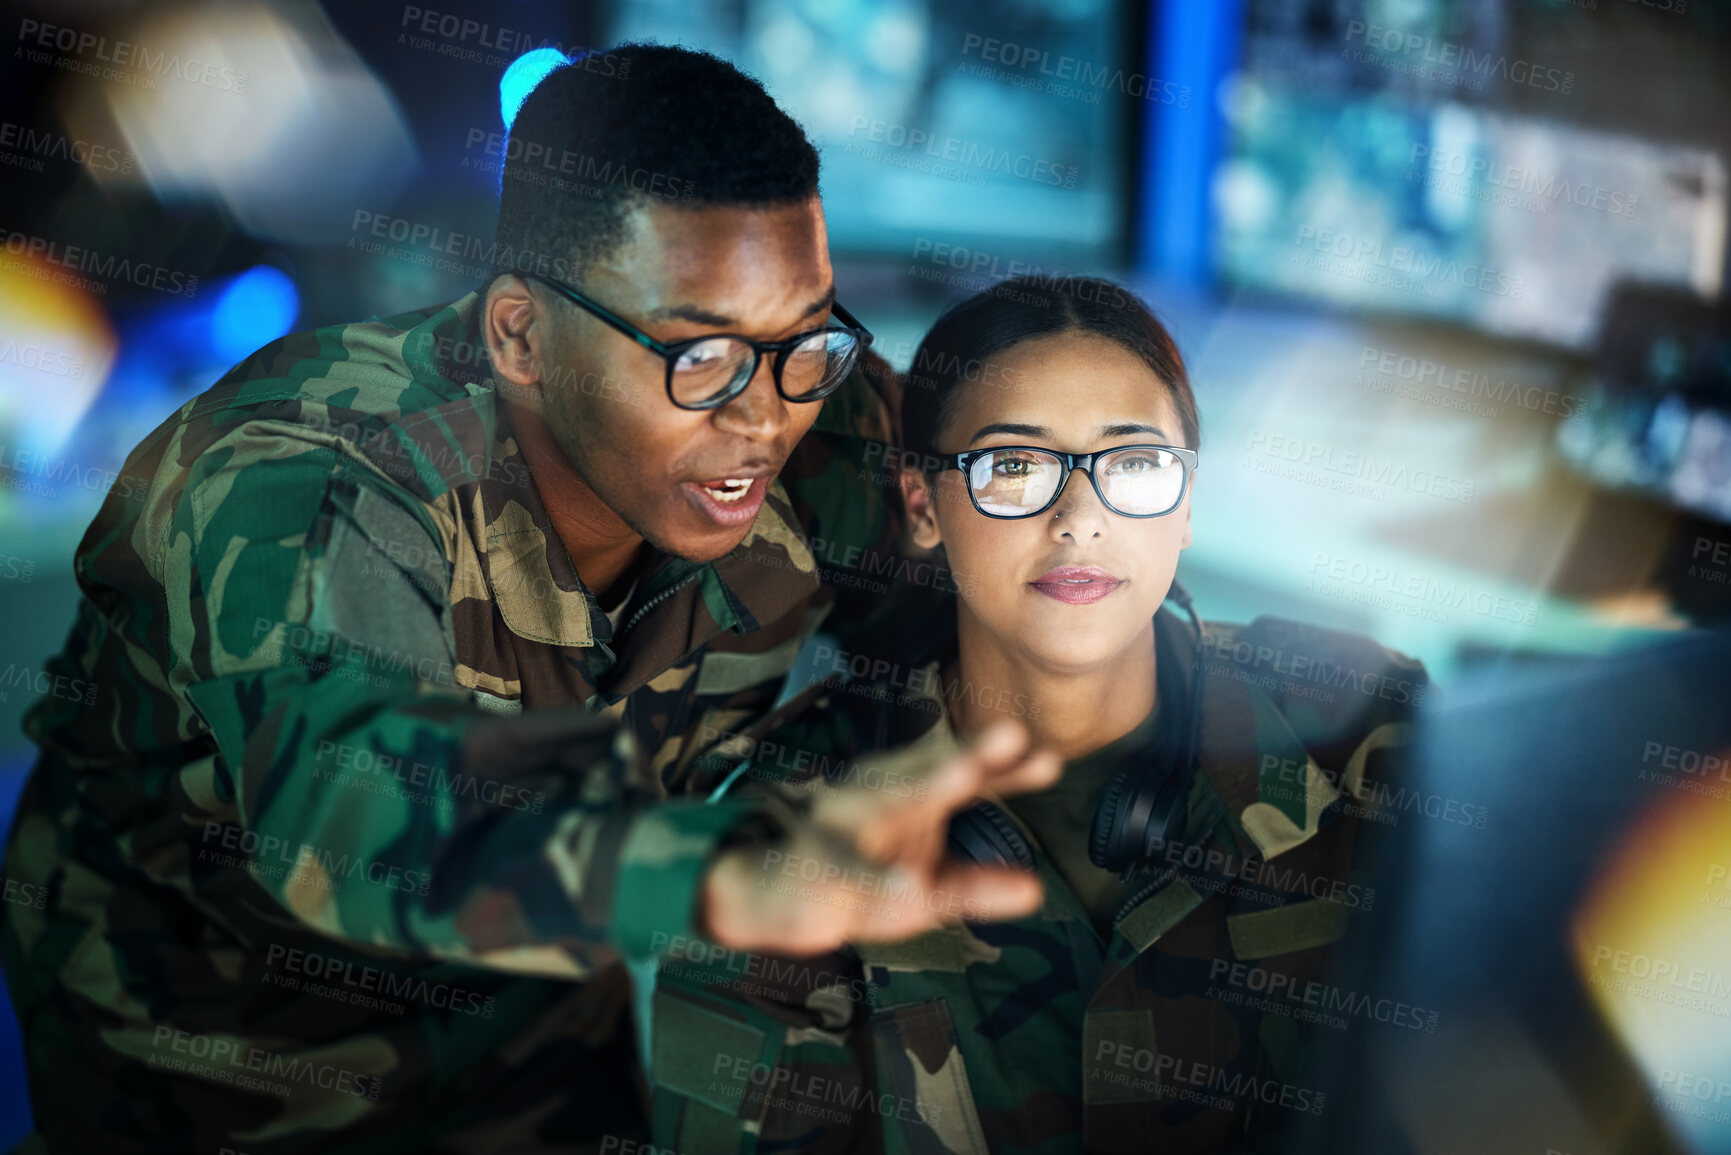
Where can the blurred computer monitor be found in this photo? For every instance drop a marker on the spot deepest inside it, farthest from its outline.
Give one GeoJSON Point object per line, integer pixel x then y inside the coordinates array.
{"type": "Point", "coordinates": [1574, 953]}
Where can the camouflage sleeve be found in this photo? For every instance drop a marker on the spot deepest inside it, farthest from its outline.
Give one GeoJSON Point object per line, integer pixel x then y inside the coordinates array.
{"type": "Point", "coordinates": [533, 844]}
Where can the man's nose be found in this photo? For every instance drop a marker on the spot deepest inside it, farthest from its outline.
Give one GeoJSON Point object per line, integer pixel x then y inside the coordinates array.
{"type": "Point", "coordinates": [759, 411]}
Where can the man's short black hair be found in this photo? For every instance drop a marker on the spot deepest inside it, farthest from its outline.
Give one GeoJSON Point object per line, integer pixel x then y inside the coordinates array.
{"type": "Point", "coordinates": [640, 124]}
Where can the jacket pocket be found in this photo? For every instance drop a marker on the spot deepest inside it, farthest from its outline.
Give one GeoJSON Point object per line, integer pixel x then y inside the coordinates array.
{"type": "Point", "coordinates": [925, 1102]}
{"type": "Point", "coordinates": [705, 1066]}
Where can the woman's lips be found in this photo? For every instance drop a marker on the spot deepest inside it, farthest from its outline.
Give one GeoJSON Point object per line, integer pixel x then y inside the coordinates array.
{"type": "Point", "coordinates": [730, 502]}
{"type": "Point", "coordinates": [1076, 585]}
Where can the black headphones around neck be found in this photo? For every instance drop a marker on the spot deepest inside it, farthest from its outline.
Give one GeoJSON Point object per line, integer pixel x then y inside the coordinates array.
{"type": "Point", "coordinates": [1145, 806]}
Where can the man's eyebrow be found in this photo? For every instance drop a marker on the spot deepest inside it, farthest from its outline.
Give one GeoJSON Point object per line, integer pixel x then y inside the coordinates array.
{"type": "Point", "coordinates": [820, 304]}
{"type": "Point", "coordinates": [695, 313]}
{"type": "Point", "coordinates": [702, 316]}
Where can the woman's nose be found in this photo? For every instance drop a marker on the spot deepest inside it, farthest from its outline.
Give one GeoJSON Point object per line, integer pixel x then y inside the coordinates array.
{"type": "Point", "coordinates": [1079, 512]}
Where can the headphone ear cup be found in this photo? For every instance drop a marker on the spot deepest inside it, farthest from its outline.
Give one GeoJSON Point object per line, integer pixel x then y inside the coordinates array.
{"type": "Point", "coordinates": [982, 833]}
{"type": "Point", "coordinates": [1167, 817]}
{"type": "Point", "coordinates": [1105, 841]}
{"type": "Point", "coordinates": [1136, 817]}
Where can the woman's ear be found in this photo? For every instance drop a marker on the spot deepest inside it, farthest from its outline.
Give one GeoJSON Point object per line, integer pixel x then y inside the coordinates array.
{"type": "Point", "coordinates": [1185, 544]}
{"type": "Point", "coordinates": [922, 517]}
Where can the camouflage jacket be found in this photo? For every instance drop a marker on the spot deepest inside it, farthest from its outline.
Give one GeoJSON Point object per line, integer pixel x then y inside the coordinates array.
{"type": "Point", "coordinates": [1187, 1031]}
{"type": "Point", "coordinates": [359, 777]}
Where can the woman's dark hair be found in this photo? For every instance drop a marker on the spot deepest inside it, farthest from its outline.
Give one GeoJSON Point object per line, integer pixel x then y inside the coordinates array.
{"type": "Point", "coordinates": [970, 334]}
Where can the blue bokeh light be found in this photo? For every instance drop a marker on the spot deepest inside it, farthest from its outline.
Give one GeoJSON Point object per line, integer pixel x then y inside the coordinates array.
{"type": "Point", "coordinates": [520, 80]}
{"type": "Point", "coordinates": [255, 309]}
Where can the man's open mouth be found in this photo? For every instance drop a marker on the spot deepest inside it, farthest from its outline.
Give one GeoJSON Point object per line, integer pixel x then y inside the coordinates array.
{"type": "Point", "coordinates": [728, 490]}
{"type": "Point", "coordinates": [728, 501]}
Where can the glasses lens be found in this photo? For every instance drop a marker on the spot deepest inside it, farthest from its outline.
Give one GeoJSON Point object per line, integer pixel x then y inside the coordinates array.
{"type": "Point", "coordinates": [711, 369]}
{"type": "Point", "coordinates": [817, 364]}
{"type": "Point", "coordinates": [1014, 482]}
{"type": "Point", "coordinates": [1141, 482]}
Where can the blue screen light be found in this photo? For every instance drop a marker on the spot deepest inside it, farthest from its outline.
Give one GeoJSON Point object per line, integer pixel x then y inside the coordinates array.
{"type": "Point", "coordinates": [520, 80]}
{"type": "Point", "coordinates": [255, 309]}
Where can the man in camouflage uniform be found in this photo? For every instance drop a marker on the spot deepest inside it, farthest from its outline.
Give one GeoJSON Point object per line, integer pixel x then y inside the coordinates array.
{"type": "Point", "coordinates": [1184, 1029]}
{"type": "Point", "coordinates": [403, 634]}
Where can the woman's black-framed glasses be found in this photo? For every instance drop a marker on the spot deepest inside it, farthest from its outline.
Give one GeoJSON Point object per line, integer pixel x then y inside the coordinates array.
{"type": "Point", "coordinates": [1011, 481]}
{"type": "Point", "coordinates": [707, 372]}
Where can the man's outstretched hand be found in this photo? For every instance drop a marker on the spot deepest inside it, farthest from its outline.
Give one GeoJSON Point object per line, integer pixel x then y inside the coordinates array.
{"type": "Point", "coordinates": [869, 865]}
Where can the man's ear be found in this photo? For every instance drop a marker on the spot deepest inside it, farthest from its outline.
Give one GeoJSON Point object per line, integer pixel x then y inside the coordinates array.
{"type": "Point", "coordinates": [514, 330]}
{"type": "Point", "coordinates": [922, 517]}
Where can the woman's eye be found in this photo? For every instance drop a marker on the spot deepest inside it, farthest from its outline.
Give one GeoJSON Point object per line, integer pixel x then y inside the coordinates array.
{"type": "Point", "coordinates": [1140, 463]}
{"type": "Point", "coordinates": [1015, 467]}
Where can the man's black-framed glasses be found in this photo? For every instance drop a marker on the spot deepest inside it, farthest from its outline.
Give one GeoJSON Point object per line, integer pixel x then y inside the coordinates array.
{"type": "Point", "coordinates": [1010, 481]}
{"type": "Point", "coordinates": [707, 372]}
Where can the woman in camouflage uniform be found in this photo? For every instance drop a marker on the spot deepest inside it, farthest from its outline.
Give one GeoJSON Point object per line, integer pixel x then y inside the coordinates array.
{"type": "Point", "coordinates": [1197, 856]}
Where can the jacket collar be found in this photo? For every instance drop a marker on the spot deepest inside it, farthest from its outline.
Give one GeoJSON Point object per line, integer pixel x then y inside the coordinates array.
{"type": "Point", "coordinates": [541, 598]}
